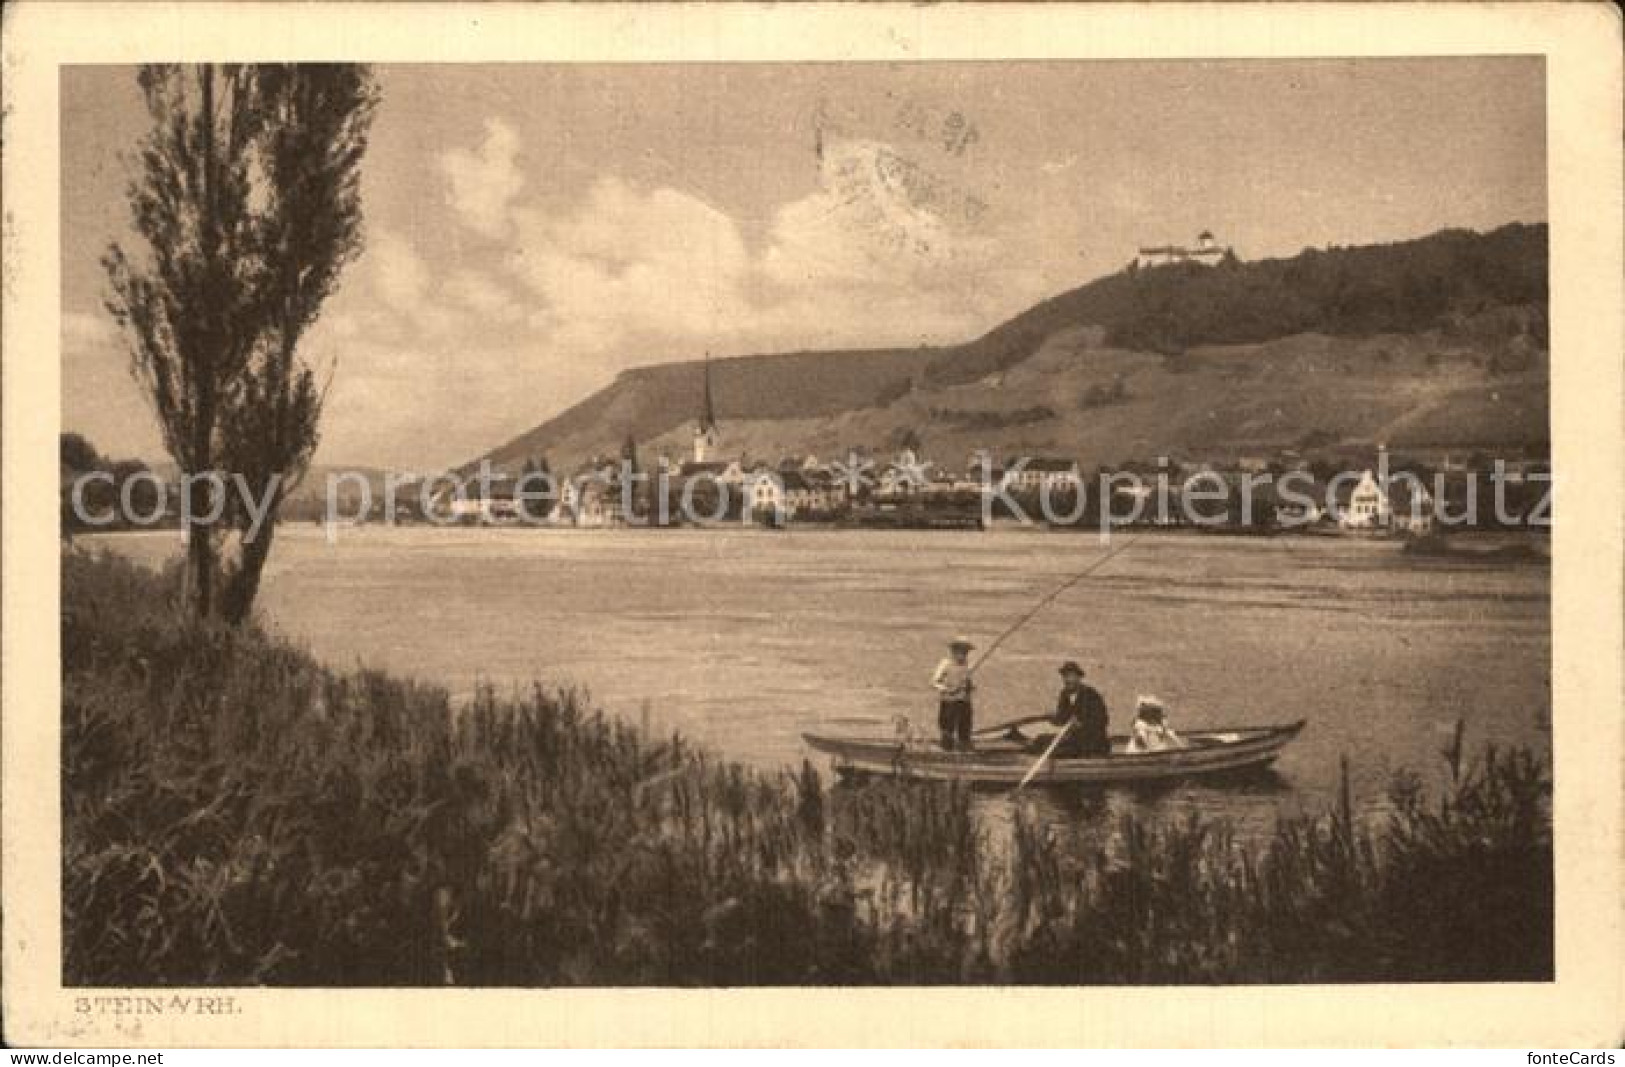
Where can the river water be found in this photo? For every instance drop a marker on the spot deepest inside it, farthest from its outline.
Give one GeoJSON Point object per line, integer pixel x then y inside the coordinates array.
{"type": "Point", "coordinates": [744, 638]}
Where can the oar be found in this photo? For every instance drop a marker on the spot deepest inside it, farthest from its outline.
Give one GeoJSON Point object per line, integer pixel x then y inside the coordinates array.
{"type": "Point", "coordinates": [1047, 753]}
{"type": "Point", "coordinates": [1006, 725]}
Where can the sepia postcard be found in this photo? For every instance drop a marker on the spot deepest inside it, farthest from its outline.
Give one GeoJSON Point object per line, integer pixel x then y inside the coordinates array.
{"type": "Point", "coordinates": [791, 525]}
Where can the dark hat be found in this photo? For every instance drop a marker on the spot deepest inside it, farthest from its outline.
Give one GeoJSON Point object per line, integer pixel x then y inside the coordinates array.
{"type": "Point", "coordinates": [1071, 667]}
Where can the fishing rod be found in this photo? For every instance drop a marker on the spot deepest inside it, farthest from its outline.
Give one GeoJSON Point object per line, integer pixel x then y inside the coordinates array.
{"type": "Point", "coordinates": [1040, 606]}
{"type": "Point", "coordinates": [1050, 598]}
{"type": "Point", "coordinates": [1028, 617]}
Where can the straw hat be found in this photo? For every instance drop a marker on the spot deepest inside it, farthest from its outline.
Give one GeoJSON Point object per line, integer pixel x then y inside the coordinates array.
{"type": "Point", "coordinates": [961, 642]}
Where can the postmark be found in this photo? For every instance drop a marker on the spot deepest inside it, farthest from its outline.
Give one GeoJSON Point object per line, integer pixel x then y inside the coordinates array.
{"type": "Point", "coordinates": [895, 182]}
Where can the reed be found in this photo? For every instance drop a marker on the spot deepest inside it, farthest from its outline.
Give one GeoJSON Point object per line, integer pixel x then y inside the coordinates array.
{"type": "Point", "coordinates": [236, 813]}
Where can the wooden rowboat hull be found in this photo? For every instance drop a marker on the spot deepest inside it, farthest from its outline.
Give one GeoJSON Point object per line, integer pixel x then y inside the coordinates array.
{"type": "Point", "coordinates": [1006, 763]}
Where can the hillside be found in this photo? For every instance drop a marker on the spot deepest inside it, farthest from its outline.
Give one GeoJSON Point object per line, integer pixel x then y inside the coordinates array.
{"type": "Point", "coordinates": [648, 401]}
{"type": "Point", "coordinates": [1440, 341]}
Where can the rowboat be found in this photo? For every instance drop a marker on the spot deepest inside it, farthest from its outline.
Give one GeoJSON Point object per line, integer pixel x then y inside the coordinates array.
{"type": "Point", "coordinates": [1003, 762]}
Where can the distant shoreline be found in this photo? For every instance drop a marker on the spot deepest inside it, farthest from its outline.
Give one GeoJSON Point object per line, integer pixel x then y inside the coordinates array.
{"type": "Point", "coordinates": [1511, 535]}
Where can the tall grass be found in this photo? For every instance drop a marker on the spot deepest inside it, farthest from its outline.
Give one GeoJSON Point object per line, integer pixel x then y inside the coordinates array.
{"type": "Point", "coordinates": [233, 812]}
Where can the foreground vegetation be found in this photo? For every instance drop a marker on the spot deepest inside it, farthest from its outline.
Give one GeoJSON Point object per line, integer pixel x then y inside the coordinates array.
{"type": "Point", "coordinates": [235, 813]}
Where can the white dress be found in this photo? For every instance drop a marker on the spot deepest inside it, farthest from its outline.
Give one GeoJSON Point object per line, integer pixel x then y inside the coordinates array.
{"type": "Point", "coordinates": [1153, 737]}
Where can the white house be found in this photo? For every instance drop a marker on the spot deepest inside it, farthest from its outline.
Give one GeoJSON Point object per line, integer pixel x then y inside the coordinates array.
{"type": "Point", "coordinates": [764, 492]}
{"type": "Point", "coordinates": [593, 503]}
{"type": "Point", "coordinates": [1410, 506]}
{"type": "Point", "coordinates": [472, 502]}
{"type": "Point", "coordinates": [1035, 473]}
{"type": "Point", "coordinates": [1404, 504]}
{"type": "Point", "coordinates": [1205, 252]}
{"type": "Point", "coordinates": [812, 491]}
{"type": "Point", "coordinates": [592, 496]}
{"type": "Point", "coordinates": [1367, 505]}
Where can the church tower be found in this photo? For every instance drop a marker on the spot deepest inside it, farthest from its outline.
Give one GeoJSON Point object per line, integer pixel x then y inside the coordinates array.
{"type": "Point", "coordinates": [705, 431]}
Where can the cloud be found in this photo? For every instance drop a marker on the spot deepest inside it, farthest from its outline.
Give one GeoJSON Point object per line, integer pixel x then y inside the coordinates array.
{"type": "Point", "coordinates": [419, 404]}
{"type": "Point", "coordinates": [485, 182]}
{"type": "Point", "coordinates": [483, 294]}
{"type": "Point", "coordinates": [412, 343]}
{"type": "Point", "coordinates": [398, 273]}
{"type": "Point", "coordinates": [82, 331]}
{"type": "Point", "coordinates": [882, 253]}
{"type": "Point", "coordinates": [400, 280]}
{"type": "Point", "coordinates": [630, 263]}
{"type": "Point", "coordinates": [886, 252]}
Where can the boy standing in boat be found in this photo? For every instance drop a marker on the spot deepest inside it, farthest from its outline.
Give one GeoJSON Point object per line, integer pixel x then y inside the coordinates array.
{"type": "Point", "coordinates": [954, 685]}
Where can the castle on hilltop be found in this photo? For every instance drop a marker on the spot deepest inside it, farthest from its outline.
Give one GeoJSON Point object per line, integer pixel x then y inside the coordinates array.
{"type": "Point", "coordinates": [1206, 252]}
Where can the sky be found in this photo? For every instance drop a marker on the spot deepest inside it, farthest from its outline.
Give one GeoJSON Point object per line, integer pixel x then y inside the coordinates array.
{"type": "Point", "coordinates": [534, 229]}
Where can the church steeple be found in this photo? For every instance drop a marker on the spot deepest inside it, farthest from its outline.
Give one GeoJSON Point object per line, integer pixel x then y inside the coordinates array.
{"type": "Point", "coordinates": [705, 431]}
{"type": "Point", "coordinates": [708, 416]}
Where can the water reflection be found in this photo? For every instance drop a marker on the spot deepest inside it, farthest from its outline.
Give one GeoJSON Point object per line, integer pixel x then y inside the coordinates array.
{"type": "Point", "coordinates": [1246, 802]}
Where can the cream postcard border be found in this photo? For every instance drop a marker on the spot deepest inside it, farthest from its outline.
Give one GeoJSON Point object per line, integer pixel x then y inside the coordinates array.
{"type": "Point", "coordinates": [1582, 46]}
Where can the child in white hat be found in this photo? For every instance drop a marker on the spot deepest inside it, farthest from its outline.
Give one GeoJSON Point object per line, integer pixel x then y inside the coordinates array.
{"type": "Point", "coordinates": [1151, 730]}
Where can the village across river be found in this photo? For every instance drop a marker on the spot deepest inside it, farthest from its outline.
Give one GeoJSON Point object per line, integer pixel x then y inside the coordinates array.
{"type": "Point", "coordinates": [742, 639]}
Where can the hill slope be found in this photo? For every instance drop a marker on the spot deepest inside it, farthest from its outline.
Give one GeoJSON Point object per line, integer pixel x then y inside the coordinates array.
{"type": "Point", "coordinates": [1439, 341]}
{"type": "Point", "coordinates": [648, 401]}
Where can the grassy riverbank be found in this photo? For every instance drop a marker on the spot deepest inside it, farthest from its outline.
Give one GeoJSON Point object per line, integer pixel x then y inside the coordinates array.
{"type": "Point", "coordinates": [235, 813]}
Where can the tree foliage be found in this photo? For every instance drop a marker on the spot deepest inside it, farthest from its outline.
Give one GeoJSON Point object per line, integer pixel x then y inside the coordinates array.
{"type": "Point", "coordinates": [246, 201]}
{"type": "Point", "coordinates": [78, 454]}
{"type": "Point", "coordinates": [103, 487]}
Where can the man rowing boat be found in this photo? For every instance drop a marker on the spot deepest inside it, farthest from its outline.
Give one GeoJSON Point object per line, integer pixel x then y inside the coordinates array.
{"type": "Point", "coordinates": [1080, 711]}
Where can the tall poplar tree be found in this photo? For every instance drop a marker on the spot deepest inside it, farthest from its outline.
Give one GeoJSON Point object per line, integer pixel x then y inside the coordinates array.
{"type": "Point", "coordinates": [246, 201]}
